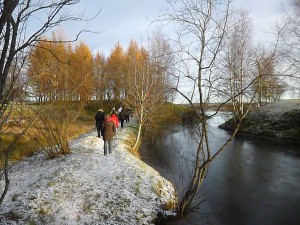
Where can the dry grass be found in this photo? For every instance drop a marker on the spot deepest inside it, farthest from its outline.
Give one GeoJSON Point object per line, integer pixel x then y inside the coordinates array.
{"type": "Point", "coordinates": [30, 143]}
{"type": "Point", "coordinates": [80, 127]}
{"type": "Point", "coordinates": [130, 142]}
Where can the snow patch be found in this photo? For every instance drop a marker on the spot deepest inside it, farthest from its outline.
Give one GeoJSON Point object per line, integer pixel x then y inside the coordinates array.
{"type": "Point", "coordinates": [85, 187]}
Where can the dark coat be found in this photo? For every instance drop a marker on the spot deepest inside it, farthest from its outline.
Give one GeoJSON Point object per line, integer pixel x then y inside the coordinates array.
{"type": "Point", "coordinates": [99, 117]}
{"type": "Point", "coordinates": [109, 130]}
{"type": "Point", "coordinates": [122, 115]}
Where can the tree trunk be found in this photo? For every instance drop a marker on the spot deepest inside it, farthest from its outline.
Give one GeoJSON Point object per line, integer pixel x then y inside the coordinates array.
{"type": "Point", "coordinates": [141, 119]}
{"type": "Point", "coordinates": [137, 139]}
{"type": "Point", "coordinates": [6, 178]}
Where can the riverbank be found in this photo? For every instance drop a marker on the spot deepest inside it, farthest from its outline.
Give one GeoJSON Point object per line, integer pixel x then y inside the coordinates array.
{"type": "Point", "coordinates": [86, 187]}
{"type": "Point", "coordinates": [279, 120]}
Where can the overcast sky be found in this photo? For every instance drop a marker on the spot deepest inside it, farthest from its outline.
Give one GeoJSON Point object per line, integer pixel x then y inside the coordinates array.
{"type": "Point", "coordinates": [123, 20]}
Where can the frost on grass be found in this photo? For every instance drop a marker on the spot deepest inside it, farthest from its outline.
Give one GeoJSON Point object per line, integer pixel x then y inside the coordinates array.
{"type": "Point", "coordinates": [85, 187]}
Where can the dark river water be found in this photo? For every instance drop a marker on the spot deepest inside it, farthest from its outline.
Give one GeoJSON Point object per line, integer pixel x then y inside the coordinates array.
{"type": "Point", "coordinates": [253, 181]}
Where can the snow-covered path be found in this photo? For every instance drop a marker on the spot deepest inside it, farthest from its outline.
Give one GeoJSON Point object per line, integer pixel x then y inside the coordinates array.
{"type": "Point", "coordinates": [85, 187]}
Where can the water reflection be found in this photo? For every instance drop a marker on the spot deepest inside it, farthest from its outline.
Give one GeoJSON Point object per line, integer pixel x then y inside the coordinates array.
{"type": "Point", "coordinates": [252, 182]}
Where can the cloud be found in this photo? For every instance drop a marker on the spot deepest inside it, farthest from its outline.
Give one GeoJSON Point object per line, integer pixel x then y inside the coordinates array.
{"type": "Point", "coordinates": [118, 21]}
{"type": "Point", "coordinates": [123, 20]}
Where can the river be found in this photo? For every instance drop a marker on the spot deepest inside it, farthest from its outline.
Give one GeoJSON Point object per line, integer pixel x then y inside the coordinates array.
{"type": "Point", "coordinates": [253, 181]}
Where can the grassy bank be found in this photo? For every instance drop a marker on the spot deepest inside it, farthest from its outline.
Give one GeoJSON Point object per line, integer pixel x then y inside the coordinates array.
{"type": "Point", "coordinates": [31, 141]}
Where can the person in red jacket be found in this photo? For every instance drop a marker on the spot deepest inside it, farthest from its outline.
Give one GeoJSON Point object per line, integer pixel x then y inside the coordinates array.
{"type": "Point", "coordinates": [114, 118]}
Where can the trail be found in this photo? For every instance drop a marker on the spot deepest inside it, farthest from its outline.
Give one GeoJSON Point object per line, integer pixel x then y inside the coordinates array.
{"type": "Point", "coordinates": [85, 187]}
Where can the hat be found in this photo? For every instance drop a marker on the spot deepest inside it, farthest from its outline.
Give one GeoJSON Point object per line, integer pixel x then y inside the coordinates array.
{"type": "Point", "coordinates": [100, 110]}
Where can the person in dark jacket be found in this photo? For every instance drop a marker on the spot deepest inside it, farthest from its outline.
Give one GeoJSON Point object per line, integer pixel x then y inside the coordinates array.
{"type": "Point", "coordinates": [108, 133]}
{"type": "Point", "coordinates": [99, 117]}
{"type": "Point", "coordinates": [128, 112]}
{"type": "Point", "coordinates": [122, 117]}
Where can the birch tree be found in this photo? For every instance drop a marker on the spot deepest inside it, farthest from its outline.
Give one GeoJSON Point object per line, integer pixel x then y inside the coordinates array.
{"type": "Point", "coordinates": [268, 85]}
{"type": "Point", "coordinates": [239, 64]}
{"type": "Point", "coordinates": [290, 47]}
{"type": "Point", "coordinates": [141, 87]}
{"type": "Point", "coordinates": [147, 81]}
{"type": "Point", "coordinates": [201, 31]}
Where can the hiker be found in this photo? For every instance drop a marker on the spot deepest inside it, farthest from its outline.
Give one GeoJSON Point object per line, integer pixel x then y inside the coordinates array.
{"type": "Point", "coordinates": [127, 115]}
{"type": "Point", "coordinates": [122, 117]}
{"type": "Point", "coordinates": [99, 117]}
{"type": "Point", "coordinates": [115, 119]}
{"type": "Point", "coordinates": [119, 110]}
{"type": "Point", "coordinates": [108, 133]}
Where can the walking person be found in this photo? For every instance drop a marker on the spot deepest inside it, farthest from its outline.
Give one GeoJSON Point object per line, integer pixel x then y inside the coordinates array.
{"type": "Point", "coordinates": [119, 110]}
{"type": "Point", "coordinates": [99, 117]}
{"type": "Point", "coordinates": [108, 133]}
{"type": "Point", "coordinates": [122, 117]}
{"type": "Point", "coordinates": [127, 115]}
{"type": "Point", "coordinates": [115, 119]}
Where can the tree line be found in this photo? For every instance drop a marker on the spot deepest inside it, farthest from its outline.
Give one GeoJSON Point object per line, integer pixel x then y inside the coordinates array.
{"type": "Point", "coordinates": [60, 71]}
{"type": "Point", "coordinates": [136, 76]}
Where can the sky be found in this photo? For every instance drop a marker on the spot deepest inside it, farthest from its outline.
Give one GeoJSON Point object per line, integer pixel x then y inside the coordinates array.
{"type": "Point", "coordinates": [123, 20]}
{"type": "Point", "coordinates": [118, 21]}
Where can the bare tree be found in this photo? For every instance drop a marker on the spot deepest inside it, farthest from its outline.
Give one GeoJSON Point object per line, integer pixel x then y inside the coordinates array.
{"type": "Point", "coordinates": [15, 20]}
{"type": "Point", "coordinates": [146, 81]}
{"type": "Point", "coordinates": [290, 46]}
{"type": "Point", "coordinates": [201, 35]}
{"type": "Point", "coordinates": [52, 126]}
{"type": "Point", "coordinates": [160, 53]}
{"type": "Point", "coordinates": [268, 84]}
{"type": "Point", "coordinates": [16, 36]}
{"type": "Point", "coordinates": [204, 30]}
{"type": "Point", "coordinates": [239, 64]}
